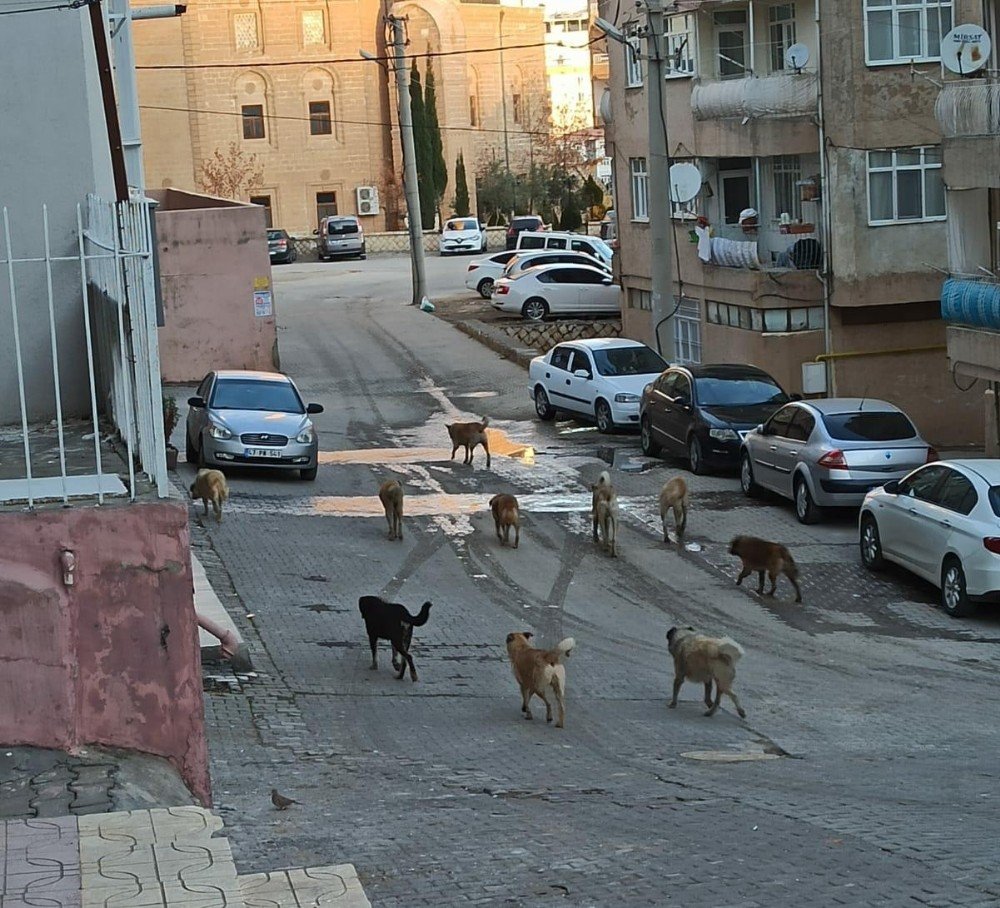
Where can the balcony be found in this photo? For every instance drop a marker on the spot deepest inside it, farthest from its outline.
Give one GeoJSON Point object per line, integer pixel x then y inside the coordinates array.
{"type": "Point", "coordinates": [969, 116]}
{"type": "Point", "coordinates": [778, 96]}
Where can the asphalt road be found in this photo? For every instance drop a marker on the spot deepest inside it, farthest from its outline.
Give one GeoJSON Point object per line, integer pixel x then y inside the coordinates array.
{"type": "Point", "coordinates": [864, 774]}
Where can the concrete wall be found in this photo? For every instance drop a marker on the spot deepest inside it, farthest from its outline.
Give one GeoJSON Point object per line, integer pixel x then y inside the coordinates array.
{"type": "Point", "coordinates": [114, 658]}
{"type": "Point", "coordinates": [212, 259]}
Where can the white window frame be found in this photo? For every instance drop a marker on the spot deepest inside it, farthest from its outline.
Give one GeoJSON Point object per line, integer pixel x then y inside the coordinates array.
{"type": "Point", "coordinates": [744, 28]}
{"type": "Point", "coordinates": [894, 168]}
{"type": "Point", "coordinates": [680, 35]}
{"type": "Point", "coordinates": [632, 48]}
{"type": "Point", "coordinates": [687, 330]}
{"type": "Point", "coordinates": [784, 29]}
{"type": "Point", "coordinates": [638, 171]}
{"type": "Point", "coordinates": [926, 9]}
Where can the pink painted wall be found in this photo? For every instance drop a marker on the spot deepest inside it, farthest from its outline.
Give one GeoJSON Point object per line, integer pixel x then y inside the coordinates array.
{"type": "Point", "coordinates": [113, 659]}
{"type": "Point", "coordinates": [213, 256]}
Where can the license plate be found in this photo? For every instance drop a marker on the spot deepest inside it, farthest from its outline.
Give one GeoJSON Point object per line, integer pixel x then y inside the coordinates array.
{"type": "Point", "coordinates": [262, 452]}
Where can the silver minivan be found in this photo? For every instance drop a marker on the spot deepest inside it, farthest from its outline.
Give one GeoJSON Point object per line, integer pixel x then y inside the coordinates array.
{"type": "Point", "coordinates": [340, 235]}
{"type": "Point", "coordinates": [593, 246]}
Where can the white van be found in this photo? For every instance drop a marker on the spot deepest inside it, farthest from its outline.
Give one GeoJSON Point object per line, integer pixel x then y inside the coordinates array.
{"type": "Point", "coordinates": [575, 242]}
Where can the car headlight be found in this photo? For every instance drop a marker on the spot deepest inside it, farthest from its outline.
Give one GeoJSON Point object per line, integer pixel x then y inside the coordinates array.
{"type": "Point", "coordinates": [217, 431]}
{"type": "Point", "coordinates": [723, 434]}
{"type": "Point", "coordinates": [626, 398]}
{"type": "Point", "coordinates": [306, 436]}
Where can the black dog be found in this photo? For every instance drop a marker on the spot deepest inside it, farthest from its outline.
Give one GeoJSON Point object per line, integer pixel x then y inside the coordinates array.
{"type": "Point", "coordinates": [392, 622]}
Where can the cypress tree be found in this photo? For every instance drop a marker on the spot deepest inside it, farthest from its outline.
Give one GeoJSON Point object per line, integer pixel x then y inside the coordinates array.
{"type": "Point", "coordinates": [425, 179]}
{"type": "Point", "coordinates": [461, 188]}
{"type": "Point", "coordinates": [438, 166]}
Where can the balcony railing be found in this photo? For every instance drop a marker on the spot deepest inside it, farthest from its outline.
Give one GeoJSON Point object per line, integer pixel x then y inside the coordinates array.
{"type": "Point", "coordinates": [968, 109]}
{"type": "Point", "coordinates": [974, 302]}
{"type": "Point", "coordinates": [778, 95]}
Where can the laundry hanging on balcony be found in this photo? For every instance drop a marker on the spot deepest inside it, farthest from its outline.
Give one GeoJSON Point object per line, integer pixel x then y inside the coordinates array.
{"type": "Point", "coordinates": [717, 250]}
{"type": "Point", "coordinates": [971, 302]}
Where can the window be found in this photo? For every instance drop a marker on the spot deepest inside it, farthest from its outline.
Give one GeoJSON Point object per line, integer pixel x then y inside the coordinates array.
{"type": "Point", "coordinates": [679, 35]}
{"type": "Point", "coordinates": [639, 360]}
{"type": "Point", "coordinates": [898, 31]}
{"type": "Point", "coordinates": [869, 425]}
{"type": "Point", "coordinates": [245, 34]}
{"type": "Point", "coordinates": [313, 27]}
{"type": "Point", "coordinates": [473, 111]}
{"type": "Point", "coordinates": [582, 363]}
{"type": "Point", "coordinates": [801, 426]}
{"type": "Point", "coordinates": [731, 44]}
{"type": "Point", "coordinates": [905, 185]}
{"type": "Point", "coordinates": [515, 106]}
{"type": "Point", "coordinates": [687, 331]}
{"type": "Point", "coordinates": [957, 493]}
{"type": "Point", "coordinates": [779, 321]}
{"type": "Point", "coordinates": [640, 299]}
{"type": "Point", "coordinates": [640, 189]}
{"type": "Point", "coordinates": [253, 121]}
{"type": "Point", "coordinates": [787, 172]}
{"type": "Point", "coordinates": [781, 33]}
{"type": "Point", "coordinates": [326, 205]}
{"type": "Point", "coordinates": [265, 202]}
{"type": "Point", "coordinates": [320, 118]}
{"type": "Point", "coordinates": [560, 358]}
{"type": "Point", "coordinates": [633, 60]}
{"type": "Point", "coordinates": [923, 484]}
{"type": "Point", "coordinates": [681, 388]}
{"type": "Point", "coordinates": [779, 423]}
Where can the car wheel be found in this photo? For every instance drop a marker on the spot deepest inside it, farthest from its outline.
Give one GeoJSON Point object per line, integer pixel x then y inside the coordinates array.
{"type": "Point", "coordinates": [649, 446]}
{"type": "Point", "coordinates": [871, 544]}
{"type": "Point", "coordinates": [696, 463]}
{"type": "Point", "coordinates": [954, 596]}
{"type": "Point", "coordinates": [805, 508]}
{"type": "Point", "coordinates": [308, 475]}
{"type": "Point", "coordinates": [605, 422]}
{"type": "Point", "coordinates": [543, 407]}
{"type": "Point", "coordinates": [750, 488]}
{"type": "Point", "coordinates": [485, 287]}
{"type": "Point", "coordinates": [190, 454]}
{"type": "Point", "coordinates": [535, 309]}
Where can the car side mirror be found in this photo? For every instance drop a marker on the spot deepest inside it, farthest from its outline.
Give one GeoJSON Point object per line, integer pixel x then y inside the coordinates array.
{"type": "Point", "coordinates": [314, 408]}
{"type": "Point", "coordinates": [196, 403]}
{"type": "Point", "coordinates": [582, 373]}
{"type": "Point", "coordinates": [892, 486]}
{"type": "Point", "coordinates": [764, 429]}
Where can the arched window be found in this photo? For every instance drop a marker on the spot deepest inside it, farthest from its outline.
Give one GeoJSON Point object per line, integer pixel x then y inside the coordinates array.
{"type": "Point", "coordinates": [252, 94]}
{"type": "Point", "coordinates": [319, 90]}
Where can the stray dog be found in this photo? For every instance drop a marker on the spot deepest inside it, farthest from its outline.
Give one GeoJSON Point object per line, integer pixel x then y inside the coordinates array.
{"type": "Point", "coordinates": [390, 493]}
{"type": "Point", "coordinates": [537, 670]}
{"type": "Point", "coordinates": [760, 556]}
{"type": "Point", "coordinates": [705, 659]}
{"type": "Point", "coordinates": [469, 435]}
{"type": "Point", "coordinates": [211, 486]}
{"type": "Point", "coordinates": [392, 622]}
{"type": "Point", "coordinates": [506, 514]}
{"type": "Point", "coordinates": [674, 496]}
{"type": "Point", "coordinates": [604, 512]}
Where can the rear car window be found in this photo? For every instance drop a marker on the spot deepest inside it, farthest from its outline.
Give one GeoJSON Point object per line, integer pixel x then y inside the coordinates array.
{"type": "Point", "coordinates": [339, 228]}
{"type": "Point", "coordinates": [874, 425]}
{"type": "Point", "coordinates": [275, 234]}
{"type": "Point", "coordinates": [526, 223]}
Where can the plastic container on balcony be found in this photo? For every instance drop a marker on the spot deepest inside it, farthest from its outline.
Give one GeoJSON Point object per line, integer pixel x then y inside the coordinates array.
{"type": "Point", "coordinates": [797, 228]}
{"type": "Point", "coordinates": [971, 302]}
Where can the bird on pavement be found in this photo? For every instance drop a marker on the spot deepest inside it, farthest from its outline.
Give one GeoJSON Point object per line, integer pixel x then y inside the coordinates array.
{"type": "Point", "coordinates": [280, 801]}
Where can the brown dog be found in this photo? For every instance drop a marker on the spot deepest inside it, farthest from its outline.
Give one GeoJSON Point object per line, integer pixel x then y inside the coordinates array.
{"type": "Point", "coordinates": [211, 486]}
{"type": "Point", "coordinates": [705, 659]}
{"type": "Point", "coordinates": [469, 435]}
{"type": "Point", "coordinates": [390, 493]}
{"type": "Point", "coordinates": [537, 670]}
{"type": "Point", "coordinates": [674, 497]}
{"type": "Point", "coordinates": [760, 556]}
{"type": "Point", "coordinates": [506, 514]}
{"type": "Point", "coordinates": [604, 512]}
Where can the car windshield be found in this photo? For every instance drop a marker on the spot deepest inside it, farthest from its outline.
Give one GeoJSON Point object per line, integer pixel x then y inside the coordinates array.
{"type": "Point", "coordinates": [337, 228]}
{"type": "Point", "coordinates": [875, 425]}
{"type": "Point", "coordinates": [628, 361]}
{"type": "Point", "coordinates": [738, 392]}
{"type": "Point", "coordinates": [254, 394]}
{"type": "Point", "coordinates": [275, 234]}
{"type": "Point", "coordinates": [468, 224]}
{"type": "Point", "coordinates": [606, 250]}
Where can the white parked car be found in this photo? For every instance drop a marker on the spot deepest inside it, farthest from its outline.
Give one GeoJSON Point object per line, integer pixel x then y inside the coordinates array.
{"type": "Point", "coordinates": [558, 290]}
{"type": "Point", "coordinates": [462, 235]}
{"type": "Point", "coordinates": [551, 240]}
{"type": "Point", "coordinates": [601, 378]}
{"type": "Point", "coordinates": [522, 261]}
{"type": "Point", "coordinates": [483, 273]}
{"type": "Point", "coordinates": [942, 522]}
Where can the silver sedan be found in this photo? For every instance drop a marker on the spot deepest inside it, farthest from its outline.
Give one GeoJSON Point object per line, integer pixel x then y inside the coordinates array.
{"type": "Point", "coordinates": [242, 418]}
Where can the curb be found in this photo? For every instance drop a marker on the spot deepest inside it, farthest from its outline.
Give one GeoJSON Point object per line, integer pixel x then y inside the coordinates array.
{"type": "Point", "coordinates": [497, 341]}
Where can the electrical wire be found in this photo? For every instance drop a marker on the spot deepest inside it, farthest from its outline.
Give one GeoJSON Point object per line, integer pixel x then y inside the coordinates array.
{"type": "Point", "coordinates": [72, 4]}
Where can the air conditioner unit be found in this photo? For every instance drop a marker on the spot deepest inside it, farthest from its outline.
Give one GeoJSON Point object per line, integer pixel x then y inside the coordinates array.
{"type": "Point", "coordinates": [367, 200]}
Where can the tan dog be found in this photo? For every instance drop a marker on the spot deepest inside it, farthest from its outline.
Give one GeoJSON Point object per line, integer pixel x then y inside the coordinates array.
{"type": "Point", "coordinates": [506, 514]}
{"type": "Point", "coordinates": [211, 486]}
{"type": "Point", "coordinates": [604, 512]}
{"type": "Point", "coordinates": [390, 493]}
{"type": "Point", "coordinates": [538, 670]}
{"type": "Point", "coordinates": [469, 435]}
{"type": "Point", "coordinates": [674, 497]}
{"type": "Point", "coordinates": [760, 556]}
{"type": "Point", "coordinates": [705, 659]}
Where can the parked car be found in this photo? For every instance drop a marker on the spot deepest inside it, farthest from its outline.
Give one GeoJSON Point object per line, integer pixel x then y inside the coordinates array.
{"type": "Point", "coordinates": [573, 242]}
{"type": "Point", "coordinates": [942, 522]}
{"type": "Point", "coordinates": [462, 235]}
{"type": "Point", "coordinates": [831, 453]}
{"type": "Point", "coordinates": [558, 290]}
{"type": "Point", "coordinates": [280, 247]}
{"type": "Point", "coordinates": [482, 274]}
{"type": "Point", "coordinates": [702, 412]}
{"type": "Point", "coordinates": [340, 235]}
{"type": "Point", "coordinates": [601, 378]}
{"type": "Point", "coordinates": [244, 418]}
{"type": "Point", "coordinates": [520, 223]}
{"type": "Point", "coordinates": [522, 261]}
{"type": "Point", "coordinates": [609, 228]}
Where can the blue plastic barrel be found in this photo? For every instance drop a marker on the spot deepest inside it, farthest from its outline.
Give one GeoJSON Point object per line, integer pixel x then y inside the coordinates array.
{"type": "Point", "coordinates": [973, 303]}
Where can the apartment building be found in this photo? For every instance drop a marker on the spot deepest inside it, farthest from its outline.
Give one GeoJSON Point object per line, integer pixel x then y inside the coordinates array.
{"type": "Point", "coordinates": [819, 232]}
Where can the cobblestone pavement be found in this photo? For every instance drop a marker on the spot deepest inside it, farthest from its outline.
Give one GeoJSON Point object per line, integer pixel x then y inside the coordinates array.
{"type": "Point", "coordinates": [865, 773]}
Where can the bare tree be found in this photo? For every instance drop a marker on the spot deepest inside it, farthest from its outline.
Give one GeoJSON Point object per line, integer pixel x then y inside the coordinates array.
{"type": "Point", "coordinates": [231, 175]}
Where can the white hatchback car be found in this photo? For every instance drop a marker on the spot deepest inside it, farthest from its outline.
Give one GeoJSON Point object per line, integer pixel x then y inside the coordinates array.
{"type": "Point", "coordinates": [558, 290]}
{"type": "Point", "coordinates": [601, 377]}
{"type": "Point", "coordinates": [942, 522]}
{"type": "Point", "coordinates": [462, 235]}
{"type": "Point", "coordinates": [483, 273]}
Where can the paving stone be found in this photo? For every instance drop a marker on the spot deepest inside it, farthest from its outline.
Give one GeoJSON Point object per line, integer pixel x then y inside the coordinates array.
{"type": "Point", "coordinates": [334, 885]}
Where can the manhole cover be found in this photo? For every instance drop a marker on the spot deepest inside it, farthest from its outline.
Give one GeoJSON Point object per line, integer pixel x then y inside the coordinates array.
{"type": "Point", "coordinates": [728, 756]}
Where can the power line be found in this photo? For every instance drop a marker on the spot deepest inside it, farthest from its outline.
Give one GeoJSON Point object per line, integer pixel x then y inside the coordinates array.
{"type": "Point", "coordinates": [73, 4]}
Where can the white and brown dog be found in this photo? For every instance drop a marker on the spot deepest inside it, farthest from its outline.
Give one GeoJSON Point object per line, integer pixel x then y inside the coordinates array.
{"type": "Point", "coordinates": [704, 660]}
{"type": "Point", "coordinates": [538, 671]}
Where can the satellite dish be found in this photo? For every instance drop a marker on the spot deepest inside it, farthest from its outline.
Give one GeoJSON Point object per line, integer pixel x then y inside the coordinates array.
{"type": "Point", "coordinates": [685, 182]}
{"type": "Point", "coordinates": [965, 49]}
{"type": "Point", "coordinates": [797, 56]}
